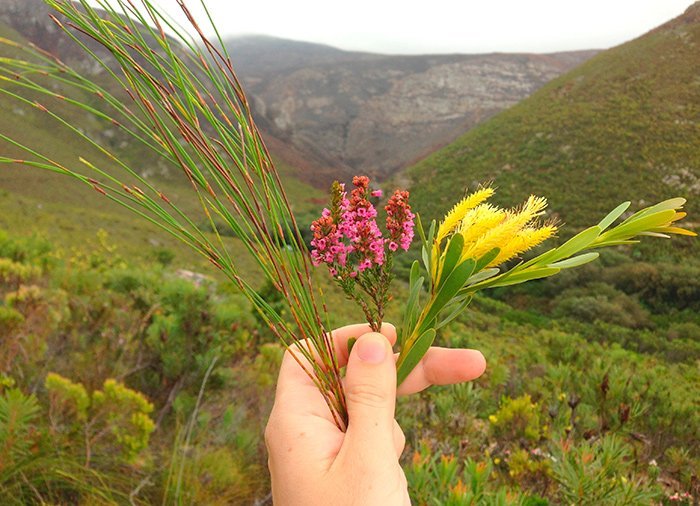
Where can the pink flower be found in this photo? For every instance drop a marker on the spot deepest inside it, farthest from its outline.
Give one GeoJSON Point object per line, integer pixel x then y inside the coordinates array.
{"type": "Point", "coordinates": [347, 237]}
{"type": "Point", "coordinates": [399, 221]}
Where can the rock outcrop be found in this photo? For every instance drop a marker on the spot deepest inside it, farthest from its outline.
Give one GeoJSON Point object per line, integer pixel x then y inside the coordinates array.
{"type": "Point", "coordinates": [378, 113]}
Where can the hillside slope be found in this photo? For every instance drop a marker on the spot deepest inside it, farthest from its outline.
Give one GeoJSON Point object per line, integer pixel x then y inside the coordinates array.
{"type": "Point", "coordinates": [35, 201]}
{"type": "Point", "coordinates": [624, 125]}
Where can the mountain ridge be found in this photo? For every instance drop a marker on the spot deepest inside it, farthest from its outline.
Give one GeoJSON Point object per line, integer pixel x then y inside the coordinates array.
{"type": "Point", "coordinates": [625, 125]}
{"type": "Point", "coordinates": [374, 113]}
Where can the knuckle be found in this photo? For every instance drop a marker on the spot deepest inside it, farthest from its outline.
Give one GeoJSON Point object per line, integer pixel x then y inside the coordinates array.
{"type": "Point", "coordinates": [399, 437]}
{"type": "Point", "coordinates": [269, 435]}
{"type": "Point", "coordinates": [366, 395]}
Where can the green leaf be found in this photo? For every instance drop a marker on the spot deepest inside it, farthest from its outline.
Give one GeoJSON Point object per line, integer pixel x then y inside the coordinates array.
{"type": "Point", "coordinates": [415, 271]}
{"type": "Point", "coordinates": [486, 259]}
{"type": "Point", "coordinates": [452, 285]}
{"type": "Point", "coordinates": [483, 275]}
{"type": "Point", "coordinates": [455, 247]}
{"type": "Point", "coordinates": [431, 233]}
{"type": "Point", "coordinates": [634, 227]}
{"type": "Point", "coordinates": [666, 205]}
{"type": "Point", "coordinates": [620, 242]}
{"type": "Point", "coordinates": [409, 359]}
{"type": "Point", "coordinates": [574, 261]}
{"type": "Point", "coordinates": [577, 243]}
{"type": "Point", "coordinates": [421, 231]}
{"type": "Point", "coordinates": [459, 307]}
{"type": "Point", "coordinates": [411, 312]}
{"type": "Point", "coordinates": [522, 277]}
{"type": "Point", "coordinates": [613, 215]}
{"type": "Point", "coordinates": [425, 256]}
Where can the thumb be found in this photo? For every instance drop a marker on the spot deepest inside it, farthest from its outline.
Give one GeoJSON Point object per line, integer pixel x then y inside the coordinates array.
{"type": "Point", "coordinates": [370, 391]}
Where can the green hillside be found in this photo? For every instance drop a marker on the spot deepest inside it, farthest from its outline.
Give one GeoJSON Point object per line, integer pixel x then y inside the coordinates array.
{"type": "Point", "coordinates": [33, 201]}
{"type": "Point", "coordinates": [623, 126]}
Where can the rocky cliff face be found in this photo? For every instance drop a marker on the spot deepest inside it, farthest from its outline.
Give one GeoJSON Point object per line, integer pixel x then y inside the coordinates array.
{"type": "Point", "coordinates": [377, 113]}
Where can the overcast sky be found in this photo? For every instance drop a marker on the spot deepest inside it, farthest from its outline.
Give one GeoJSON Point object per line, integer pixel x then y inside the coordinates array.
{"type": "Point", "coordinates": [443, 26]}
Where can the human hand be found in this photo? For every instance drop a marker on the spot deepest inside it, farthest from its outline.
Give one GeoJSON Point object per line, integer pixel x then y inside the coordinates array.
{"type": "Point", "coordinates": [312, 462]}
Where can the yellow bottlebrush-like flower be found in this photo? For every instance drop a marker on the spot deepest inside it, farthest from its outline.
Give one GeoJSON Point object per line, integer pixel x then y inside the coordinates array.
{"type": "Point", "coordinates": [455, 216]}
{"type": "Point", "coordinates": [513, 235]}
{"type": "Point", "coordinates": [524, 240]}
{"type": "Point", "coordinates": [480, 220]}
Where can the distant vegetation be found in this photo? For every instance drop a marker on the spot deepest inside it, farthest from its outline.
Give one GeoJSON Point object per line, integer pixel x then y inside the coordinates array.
{"type": "Point", "coordinates": [623, 125]}
{"type": "Point", "coordinates": [103, 359]}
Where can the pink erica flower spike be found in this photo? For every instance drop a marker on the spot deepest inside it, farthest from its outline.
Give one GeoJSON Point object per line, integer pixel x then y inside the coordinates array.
{"type": "Point", "coordinates": [349, 241]}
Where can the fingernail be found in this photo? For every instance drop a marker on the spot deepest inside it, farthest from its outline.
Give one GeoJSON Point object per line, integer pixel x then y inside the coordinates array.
{"type": "Point", "coordinates": [371, 348]}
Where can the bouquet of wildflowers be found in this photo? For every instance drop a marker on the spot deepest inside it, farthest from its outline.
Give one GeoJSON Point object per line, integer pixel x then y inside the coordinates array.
{"type": "Point", "coordinates": [348, 240]}
{"type": "Point", "coordinates": [184, 103]}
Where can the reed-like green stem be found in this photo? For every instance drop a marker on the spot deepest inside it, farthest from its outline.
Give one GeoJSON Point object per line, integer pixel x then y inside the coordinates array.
{"type": "Point", "coordinates": [183, 102]}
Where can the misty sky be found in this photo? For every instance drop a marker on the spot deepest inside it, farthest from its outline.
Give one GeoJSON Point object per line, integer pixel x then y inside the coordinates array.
{"type": "Point", "coordinates": [443, 26]}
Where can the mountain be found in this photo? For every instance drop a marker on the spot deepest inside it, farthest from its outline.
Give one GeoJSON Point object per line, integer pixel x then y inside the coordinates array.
{"type": "Point", "coordinates": [331, 113]}
{"type": "Point", "coordinates": [625, 125]}
{"type": "Point", "coordinates": [354, 112]}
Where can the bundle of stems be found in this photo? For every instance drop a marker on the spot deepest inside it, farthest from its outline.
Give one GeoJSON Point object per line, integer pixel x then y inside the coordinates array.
{"type": "Point", "coordinates": [185, 104]}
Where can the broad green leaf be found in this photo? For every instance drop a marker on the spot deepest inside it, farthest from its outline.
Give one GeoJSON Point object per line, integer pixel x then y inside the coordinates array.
{"type": "Point", "coordinates": [425, 256]}
{"type": "Point", "coordinates": [631, 228]}
{"type": "Point", "coordinates": [453, 253]}
{"type": "Point", "coordinates": [408, 359]}
{"type": "Point", "coordinates": [415, 271]}
{"type": "Point", "coordinates": [486, 259]}
{"type": "Point", "coordinates": [524, 276]}
{"type": "Point", "coordinates": [483, 275]}
{"type": "Point", "coordinates": [452, 285]}
{"type": "Point", "coordinates": [613, 215]}
{"type": "Point", "coordinates": [574, 261]}
{"type": "Point", "coordinates": [412, 310]}
{"type": "Point", "coordinates": [577, 243]}
{"type": "Point", "coordinates": [431, 233]}
{"type": "Point", "coordinates": [670, 204]}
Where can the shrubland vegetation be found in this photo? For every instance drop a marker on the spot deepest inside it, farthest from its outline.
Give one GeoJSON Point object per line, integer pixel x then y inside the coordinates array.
{"type": "Point", "coordinates": [621, 125]}
{"type": "Point", "coordinates": [133, 382]}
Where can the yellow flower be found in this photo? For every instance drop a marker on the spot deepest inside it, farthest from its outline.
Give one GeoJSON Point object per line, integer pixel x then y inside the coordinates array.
{"type": "Point", "coordinates": [524, 240]}
{"type": "Point", "coordinates": [455, 216]}
{"type": "Point", "coordinates": [493, 418]}
{"type": "Point", "coordinates": [480, 220]}
{"type": "Point", "coordinates": [513, 231]}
